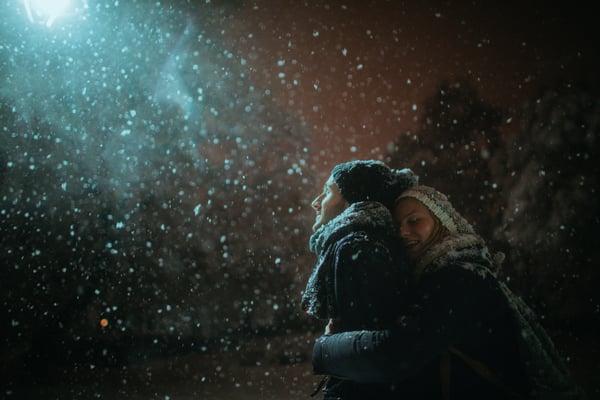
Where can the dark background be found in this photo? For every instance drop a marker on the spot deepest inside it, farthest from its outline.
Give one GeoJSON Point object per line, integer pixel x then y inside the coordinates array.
{"type": "Point", "coordinates": [157, 162]}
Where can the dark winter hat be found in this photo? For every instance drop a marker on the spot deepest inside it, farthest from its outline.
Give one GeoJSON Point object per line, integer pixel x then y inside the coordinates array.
{"type": "Point", "coordinates": [372, 180]}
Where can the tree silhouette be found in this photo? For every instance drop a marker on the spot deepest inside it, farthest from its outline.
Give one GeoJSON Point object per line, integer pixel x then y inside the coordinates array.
{"type": "Point", "coordinates": [454, 150]}
{"type": "Point", "coordinates": [552, 214]}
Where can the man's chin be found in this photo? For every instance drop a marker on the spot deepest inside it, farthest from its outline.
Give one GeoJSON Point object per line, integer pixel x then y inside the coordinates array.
{"type": "Point", "coordinates": [316, 226]}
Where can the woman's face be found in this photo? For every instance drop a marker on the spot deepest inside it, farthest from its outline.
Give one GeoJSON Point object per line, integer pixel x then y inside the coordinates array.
{"type": "Point", "coordinates": [416, 226]}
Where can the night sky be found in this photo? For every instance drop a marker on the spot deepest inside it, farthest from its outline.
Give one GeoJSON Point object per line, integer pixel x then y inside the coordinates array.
{"type": "Point", "coordinates": [358, 71]}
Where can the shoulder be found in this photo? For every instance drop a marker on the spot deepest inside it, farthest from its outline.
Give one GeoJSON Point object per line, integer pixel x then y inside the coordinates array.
{"type": "Point", "coordinates": [365, 241]}
{"type": "Point", "coordinates": [452, 272]}
{"type": "Point", "coordinates": [470, 284]}
{"type": "Point", "coordinates": [471, 265]}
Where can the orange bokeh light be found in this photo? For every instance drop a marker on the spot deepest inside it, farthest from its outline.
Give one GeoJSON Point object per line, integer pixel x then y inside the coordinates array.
{"type": "Point", "coordinates": [104, 322]}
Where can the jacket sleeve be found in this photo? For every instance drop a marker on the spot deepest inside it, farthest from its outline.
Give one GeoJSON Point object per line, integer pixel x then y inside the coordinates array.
{"type": "Point", "coordinates": [361, 356]}
{"type": "Point", "coordinates": [375, 356]}
{"type": "Point", "coordinates": [449, 310]}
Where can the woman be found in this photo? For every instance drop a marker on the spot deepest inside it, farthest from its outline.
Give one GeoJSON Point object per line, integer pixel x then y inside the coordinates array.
{"type": "Point", "coordinates": [458, 338]}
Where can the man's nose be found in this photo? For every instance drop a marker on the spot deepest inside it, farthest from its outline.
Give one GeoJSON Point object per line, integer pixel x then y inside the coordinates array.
{"type": "Point", "coordinates": [316, 203]}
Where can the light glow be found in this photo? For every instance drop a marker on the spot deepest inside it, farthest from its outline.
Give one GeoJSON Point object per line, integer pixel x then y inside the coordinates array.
{"type": "Point", "coordinates": [47, 12]}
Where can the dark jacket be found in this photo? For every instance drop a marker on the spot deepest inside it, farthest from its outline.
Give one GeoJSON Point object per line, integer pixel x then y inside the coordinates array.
{"type": "Point", "coordinates": [458, 310]}
{"type": "Point", "coordinates": [357, 280]}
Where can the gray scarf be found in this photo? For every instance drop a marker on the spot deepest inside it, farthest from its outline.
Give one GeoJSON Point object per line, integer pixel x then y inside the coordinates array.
{"type": "Point", "coordinates": [317, 298]}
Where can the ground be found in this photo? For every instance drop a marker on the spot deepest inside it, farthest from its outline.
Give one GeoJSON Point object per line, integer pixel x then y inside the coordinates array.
{"type": "Point", "coordinates": [261, 368]}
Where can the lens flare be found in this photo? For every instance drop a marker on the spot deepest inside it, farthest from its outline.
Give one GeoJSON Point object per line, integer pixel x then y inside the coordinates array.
{"type": "Point", "coordinates": [48, 11]}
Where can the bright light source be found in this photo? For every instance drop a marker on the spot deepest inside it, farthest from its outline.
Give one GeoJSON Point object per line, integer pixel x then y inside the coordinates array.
{"type": "Point", "coordinates": [47, 11]}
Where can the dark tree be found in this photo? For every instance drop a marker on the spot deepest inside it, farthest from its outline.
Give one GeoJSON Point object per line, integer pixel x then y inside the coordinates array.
{"type": "Point", "coordinates": [552, 214]}
{"type": "Point", "coordinates": [454, 150]}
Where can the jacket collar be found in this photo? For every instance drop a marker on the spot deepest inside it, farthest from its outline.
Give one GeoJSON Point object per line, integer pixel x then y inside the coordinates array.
{"type": "Point", "coordinates": [464, 249]}
{"type": "Point", "coordinates": [364, 215]}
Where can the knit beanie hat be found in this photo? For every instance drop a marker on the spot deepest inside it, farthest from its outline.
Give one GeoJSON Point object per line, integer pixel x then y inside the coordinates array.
{"type": "Point", "coordinates": [439, 206]}
{"type": "Point", "coordinates": [372, 180]}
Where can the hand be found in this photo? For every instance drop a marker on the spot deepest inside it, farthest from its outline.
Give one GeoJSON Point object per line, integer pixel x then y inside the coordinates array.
{"type": "Point", "coordinates": [329, 328]}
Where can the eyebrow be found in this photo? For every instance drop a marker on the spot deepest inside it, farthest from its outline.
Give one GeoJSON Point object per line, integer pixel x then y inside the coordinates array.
{"type": "Point", "coordinates": [408, 214]}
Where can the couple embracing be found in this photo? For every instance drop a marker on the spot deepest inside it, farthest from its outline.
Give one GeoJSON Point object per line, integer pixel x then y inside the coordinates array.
{"type": "Point", "coordinates": [411, 301]}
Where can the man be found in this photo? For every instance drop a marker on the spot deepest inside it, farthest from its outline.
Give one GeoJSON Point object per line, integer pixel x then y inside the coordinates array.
{"type": "Point", "coordinates": [358, 278]}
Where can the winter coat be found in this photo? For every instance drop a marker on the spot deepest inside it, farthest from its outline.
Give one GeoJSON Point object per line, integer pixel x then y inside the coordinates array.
{"type": "Point", "coordinates": [459, 315]}
{"type": "Point", "coordinates": [356, 281]}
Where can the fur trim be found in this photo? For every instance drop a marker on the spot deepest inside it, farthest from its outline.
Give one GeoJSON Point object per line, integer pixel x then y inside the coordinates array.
{"type": "Point", "coordinates": [465, 249]}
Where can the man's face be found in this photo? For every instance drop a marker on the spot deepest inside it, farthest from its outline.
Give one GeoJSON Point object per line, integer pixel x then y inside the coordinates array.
{"type": "Point", "coordinates": [329, 204]}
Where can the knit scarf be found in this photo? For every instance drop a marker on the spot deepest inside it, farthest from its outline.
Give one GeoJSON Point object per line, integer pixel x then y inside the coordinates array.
{"type": "Point", "coordinates": [466, 249]}
{"type": "Point", "coordinates": [317, 299]}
